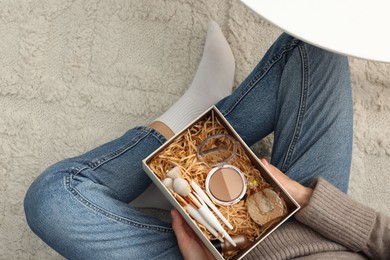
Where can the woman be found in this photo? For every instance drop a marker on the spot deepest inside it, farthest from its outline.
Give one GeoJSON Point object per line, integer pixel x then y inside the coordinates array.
{"type": "Point", "coordinates": [80, 208]}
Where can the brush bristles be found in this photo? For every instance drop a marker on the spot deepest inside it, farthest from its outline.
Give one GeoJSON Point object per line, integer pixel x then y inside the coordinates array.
{"type": "Point", "coordinates": [168, 182]}
{"type": "Point", "coordinates": [181, 186]}
{"type": "Point", "coordinates": [174, 173]}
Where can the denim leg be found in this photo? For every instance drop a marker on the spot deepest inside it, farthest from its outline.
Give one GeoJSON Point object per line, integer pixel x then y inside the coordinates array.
{"type": "Point", "coordinates": [251, 108]}
{"type": "Point", "coordinates": [314, 123]}
{"type": "Point", "coordinates": [79, 206]}
{"type": "Point", "coordinates": [303, 95]}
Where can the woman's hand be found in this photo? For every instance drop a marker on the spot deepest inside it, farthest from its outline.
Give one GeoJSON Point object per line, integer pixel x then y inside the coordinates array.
{"type": "Point", "coordinates": [190, 245]}
{"type": "Point", "coordinates": [300, 193]}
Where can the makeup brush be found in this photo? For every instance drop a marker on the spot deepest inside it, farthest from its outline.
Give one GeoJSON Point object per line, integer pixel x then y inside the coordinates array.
{"type": "Point", "coordinates": [206, 199]}
{"type": "Point", "coordinates": [174, 173]}
{"type": "Point", "coordinates": [183, 188]}
{"type": "Point", "coordinates": [168, 182]}
{"type": "Point", "coordinates": [195, 214]}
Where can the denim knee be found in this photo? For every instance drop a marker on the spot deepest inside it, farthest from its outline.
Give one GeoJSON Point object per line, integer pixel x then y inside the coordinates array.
{"type": "Point", "coordinates": [42, 200]}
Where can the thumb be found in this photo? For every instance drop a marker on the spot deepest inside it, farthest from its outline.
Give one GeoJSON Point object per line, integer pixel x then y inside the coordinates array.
{"type": "Point", "coordinates": [176, 220]}
{"type": "Point", "coordinates": [182, 232]}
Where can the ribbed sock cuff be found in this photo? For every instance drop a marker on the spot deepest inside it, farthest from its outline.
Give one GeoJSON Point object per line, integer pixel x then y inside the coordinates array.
{"type": "Point", "coordinates": [181, 114]}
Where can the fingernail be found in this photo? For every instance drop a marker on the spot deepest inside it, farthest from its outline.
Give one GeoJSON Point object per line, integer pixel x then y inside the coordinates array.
{"type": "Point", "coordinates": [173, 213]}
{"type": "Point", "coordinates": [264, 161]}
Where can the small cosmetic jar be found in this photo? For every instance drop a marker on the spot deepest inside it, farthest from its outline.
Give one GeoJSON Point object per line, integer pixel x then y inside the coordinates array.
{"type": "Point", "coordinates": [217, 149]}
{"type": "Point", "coordinates": [225, 183]}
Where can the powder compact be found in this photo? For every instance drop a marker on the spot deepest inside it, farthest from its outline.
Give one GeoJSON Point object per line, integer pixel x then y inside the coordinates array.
{"type": "Point", "coordinates": [225, 183]}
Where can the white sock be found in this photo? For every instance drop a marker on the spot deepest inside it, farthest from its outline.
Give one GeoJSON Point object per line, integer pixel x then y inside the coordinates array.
{"type": "Point", "coordinates": [212, 82]}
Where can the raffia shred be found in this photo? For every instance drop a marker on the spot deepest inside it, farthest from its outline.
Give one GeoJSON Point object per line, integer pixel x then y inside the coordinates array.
{"type": "Point", "coordinates": [183, 152]}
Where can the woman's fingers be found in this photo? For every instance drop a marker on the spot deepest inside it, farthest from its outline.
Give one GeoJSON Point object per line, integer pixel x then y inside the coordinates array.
{"type": "Point", "coordinates": [299, 192]}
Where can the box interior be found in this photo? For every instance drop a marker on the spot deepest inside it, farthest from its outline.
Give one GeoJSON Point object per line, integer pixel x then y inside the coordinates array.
{"type": "Point", "coordinates": [291, 205]}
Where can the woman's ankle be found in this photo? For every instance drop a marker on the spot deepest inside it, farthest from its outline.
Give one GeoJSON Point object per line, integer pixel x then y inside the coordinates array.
{"type": "Point", "coordinates": [162, 129]}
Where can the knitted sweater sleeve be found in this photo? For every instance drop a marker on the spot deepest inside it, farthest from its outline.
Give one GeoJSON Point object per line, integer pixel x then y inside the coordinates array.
{"type": "Point", "coordinates": [339, 218]}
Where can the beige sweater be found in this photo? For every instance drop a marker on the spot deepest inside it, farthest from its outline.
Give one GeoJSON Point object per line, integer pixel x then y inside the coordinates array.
{"type": "Point", "coordinates": [331, 226]}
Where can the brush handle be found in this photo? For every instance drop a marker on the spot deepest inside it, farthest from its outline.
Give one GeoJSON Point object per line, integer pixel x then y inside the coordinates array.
{"type": "Point", "coordinates": [206, 199]}
{"type": "Point", "coordinates": [213, 221]}
{"type": "Point", "coordinates": [195, 214]}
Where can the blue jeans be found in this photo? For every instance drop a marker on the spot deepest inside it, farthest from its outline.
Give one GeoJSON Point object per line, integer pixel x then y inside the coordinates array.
{"type": "Point", "coordinates": [79, 206]}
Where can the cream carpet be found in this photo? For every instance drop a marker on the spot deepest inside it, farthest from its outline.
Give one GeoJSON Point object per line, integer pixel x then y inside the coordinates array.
{"type": "Point", "coordinates": [76, 74]}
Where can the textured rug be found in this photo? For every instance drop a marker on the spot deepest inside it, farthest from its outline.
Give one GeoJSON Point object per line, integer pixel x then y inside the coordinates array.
{"type": "Point", "coordinates": [76, 74]}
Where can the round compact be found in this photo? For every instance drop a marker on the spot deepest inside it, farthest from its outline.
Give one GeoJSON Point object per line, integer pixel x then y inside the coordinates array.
{"type": "Point", "coordinates": [226, 184]}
